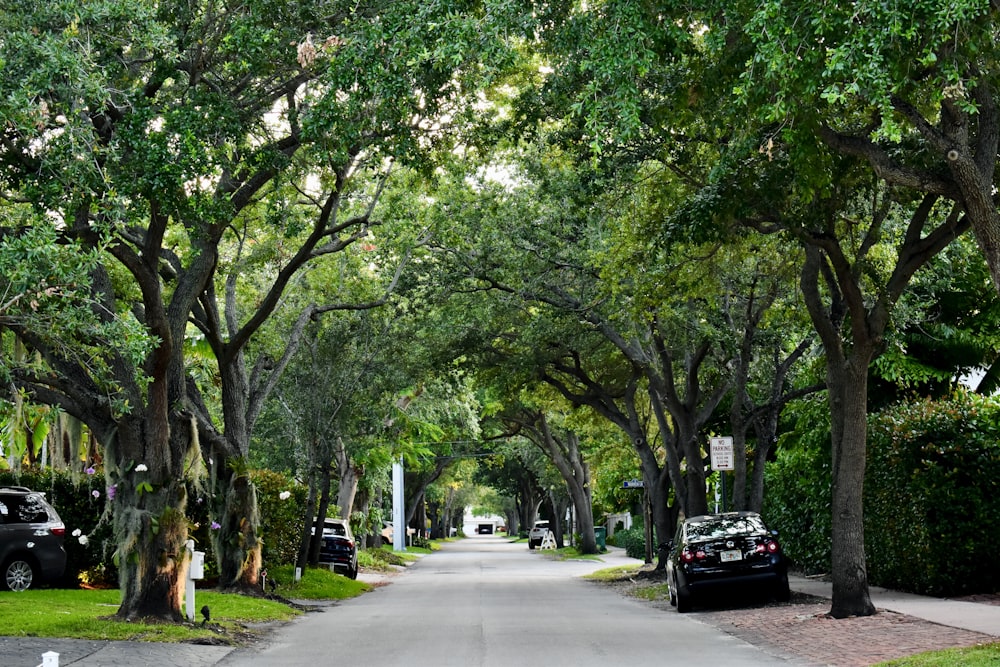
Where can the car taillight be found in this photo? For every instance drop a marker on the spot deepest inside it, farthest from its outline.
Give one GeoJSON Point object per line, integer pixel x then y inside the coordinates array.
{"type": "Point", "coordinates": [688, 556]}
{"type": "Point", "coordinates": [767, 546]}
{"type": "Point", "coordinates": [58, 530]}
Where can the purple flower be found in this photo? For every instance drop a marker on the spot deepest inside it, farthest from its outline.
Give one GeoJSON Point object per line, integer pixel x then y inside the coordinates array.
{"type": "Point", "coordinates": [90, 470]}
{"type": "Point", "coordinates": [112, 490]}
{"type": "Point", "coordinates": [216, 525]}
{"type": "Point", "coordinates": [95, 493]}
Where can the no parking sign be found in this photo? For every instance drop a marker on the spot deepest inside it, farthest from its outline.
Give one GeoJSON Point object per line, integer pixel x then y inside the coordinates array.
{"type": "Point", "coordinates": [721, 451]}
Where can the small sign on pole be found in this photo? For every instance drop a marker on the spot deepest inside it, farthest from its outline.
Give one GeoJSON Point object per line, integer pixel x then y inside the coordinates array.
{"type": "Point", "coordinates": [633, 484]}
{"type": "Point", "coordinates": [721, 450]}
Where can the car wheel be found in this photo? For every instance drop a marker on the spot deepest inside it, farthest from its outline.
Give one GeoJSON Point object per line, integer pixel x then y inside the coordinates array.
{"type": "Point", "coordinates": [672, 592]}
{"type": "Point", "coordinates": [782, 592]}
{"type": "Point", "coordinates": [352, 572]}
{"type": "Point", "coordinates": [18, 575]}
{"type": "Point", "coordinates": [531, 544]}
{"type": "Point", "coordinates": [684, 602]}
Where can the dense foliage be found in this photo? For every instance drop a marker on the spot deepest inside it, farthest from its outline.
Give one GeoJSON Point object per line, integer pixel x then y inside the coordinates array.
{"type": "Point", "coordinates": [931, 496]}
{"type": "Point", "coordinates": [83, 501]}
{"type": "Point", "coordinates": [632, 540]}
{"type": "Point", "coordinates": [797, 503]}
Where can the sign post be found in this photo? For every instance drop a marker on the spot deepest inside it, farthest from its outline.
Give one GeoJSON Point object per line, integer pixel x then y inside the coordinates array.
{"type": "Point", "coordinates": [721, 451]}
{"type": "Point", "coordinates": [398, 507]}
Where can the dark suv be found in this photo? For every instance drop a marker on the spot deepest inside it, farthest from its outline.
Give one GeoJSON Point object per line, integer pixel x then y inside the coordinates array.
{"type": "Point", "coordinates": [724, 552]}
{"type": "Point", "coordinates": [339, 550]}
{"type": "Point", "coordinates": [31, 539]}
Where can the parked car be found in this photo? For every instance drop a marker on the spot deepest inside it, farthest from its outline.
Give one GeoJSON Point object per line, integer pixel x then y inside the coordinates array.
{"type": "Point", "coordinates": [31, 539]}
{"type": "Point", "coordinates": [387, 533]}
{"type": "Point", "coordinates": [339, 550]}
{"type": "Point", "coordinates": [724, 552]}
{"type": "Point", "coordinates": [537, 534]}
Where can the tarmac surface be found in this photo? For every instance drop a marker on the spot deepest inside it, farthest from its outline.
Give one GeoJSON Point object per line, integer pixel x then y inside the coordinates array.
{"type": "Point", "coordinates": [801, 632]}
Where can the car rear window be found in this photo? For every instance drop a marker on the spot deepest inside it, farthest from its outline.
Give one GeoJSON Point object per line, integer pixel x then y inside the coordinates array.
{"type": "Point", "coordinates": [726, 526]}
{"type": "Point", "coordinates": [23, 509]}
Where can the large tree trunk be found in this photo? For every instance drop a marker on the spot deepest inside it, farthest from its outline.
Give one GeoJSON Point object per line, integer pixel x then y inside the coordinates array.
{"type": "Point", "coordinates": [144, 467]}
{"type": "Point", "coordinates": [316, 542]}
{"type": "Point", "coordinates": [565, 454]}
{"type": "Point", "coordinates": [848, 383]}
{"type": "Point", "coordinates": [847, 386]}
{"type": "Point", "coordinates": [350, 475]}
{"type": "Point", "coordinates": [236, 542]}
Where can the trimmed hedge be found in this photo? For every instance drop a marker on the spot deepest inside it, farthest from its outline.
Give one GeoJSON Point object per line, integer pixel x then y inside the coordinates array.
{"type": "Point", "coordinates": [932, 496]}
{"type": "Point", "coordinates": [798, 490]}
{"type": "Point", "coordinates": [632, 540]}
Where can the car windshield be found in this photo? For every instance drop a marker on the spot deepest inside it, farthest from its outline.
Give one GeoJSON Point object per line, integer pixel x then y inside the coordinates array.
{"type": "Point", "coordinates": [725, 527]}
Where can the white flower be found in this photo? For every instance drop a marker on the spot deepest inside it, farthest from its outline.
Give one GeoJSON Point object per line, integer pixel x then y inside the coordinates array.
{"type": "Point", "coordinates": [77, 533]}
{"type": "Point", "coordinates": [141, 468]}
{"type": "Point", "coordinates": [285, 495]}
{"type": "Point", "coordinates": [83, 540]}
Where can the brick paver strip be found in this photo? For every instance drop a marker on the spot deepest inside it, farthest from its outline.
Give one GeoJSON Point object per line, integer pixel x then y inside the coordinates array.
{"type": "Point", "coordinates": [808, 632]}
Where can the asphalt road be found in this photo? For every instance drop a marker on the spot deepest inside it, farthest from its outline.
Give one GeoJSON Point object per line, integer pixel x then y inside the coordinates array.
{"type": "Point", "coordinates": [485, 602]}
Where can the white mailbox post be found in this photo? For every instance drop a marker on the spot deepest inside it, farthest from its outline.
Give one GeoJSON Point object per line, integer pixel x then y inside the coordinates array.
{"type": "Point", "coordinates": [196, 570]}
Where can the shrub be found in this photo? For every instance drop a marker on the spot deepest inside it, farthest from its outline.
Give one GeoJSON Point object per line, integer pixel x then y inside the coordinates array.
{"type": "Point", "coordinates": [632, 540]}
{"type": "Point", "coordinates": [931, 496]}
{"type": "Point", "coordinates": [797, 502]}
{"type": "Point", "coordinates": [81, 498]}
{"type": "Point", "coordinates": [281, 519]}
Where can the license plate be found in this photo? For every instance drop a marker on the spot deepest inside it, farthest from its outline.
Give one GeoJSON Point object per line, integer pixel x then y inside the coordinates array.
{"type": "Point", "coordinates": [730, 556]}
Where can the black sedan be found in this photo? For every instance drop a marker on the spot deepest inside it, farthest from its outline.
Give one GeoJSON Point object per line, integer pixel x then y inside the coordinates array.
{"type": "Point", "coordinates": [724, 552]}
{"type": "Point", "coordinates": [339, 550]}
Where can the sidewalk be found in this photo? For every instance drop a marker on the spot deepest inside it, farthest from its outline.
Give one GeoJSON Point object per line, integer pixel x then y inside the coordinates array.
{"type": "Point", "coordinates": [972, 616]}
{"type": "Point", "coordinates": [803, 632]}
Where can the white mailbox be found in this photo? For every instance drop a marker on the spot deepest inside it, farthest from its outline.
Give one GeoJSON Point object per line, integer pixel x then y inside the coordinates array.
{"type": "Point", "coordinates": [197, 569]}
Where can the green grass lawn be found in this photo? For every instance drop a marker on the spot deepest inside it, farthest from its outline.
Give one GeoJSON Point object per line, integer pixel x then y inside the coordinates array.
{"type": "Point", "coordinates": [976, 656]}
{"type": "Point", "coordinates": [89, 614]}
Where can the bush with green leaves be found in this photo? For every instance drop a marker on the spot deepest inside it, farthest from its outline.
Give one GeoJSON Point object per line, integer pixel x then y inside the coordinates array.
{"type": "Point", "coordinates": [633, 540]}
{"type": "Point", "coordinates": [932, 496]}
{"type": "Point", "coordinates": [798, 489]}
{"type": "Point", "coordinates": [280, 500]}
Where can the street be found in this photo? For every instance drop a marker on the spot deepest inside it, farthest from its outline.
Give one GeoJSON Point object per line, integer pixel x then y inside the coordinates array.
{"type": "Point", "coordinates": [482, 601]}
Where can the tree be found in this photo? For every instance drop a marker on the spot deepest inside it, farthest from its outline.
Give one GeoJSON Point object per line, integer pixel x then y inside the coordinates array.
{"type": "Point", "coordinates": [812, 81]}
{"type": "Point", "coordinates": [154, 130]}
{"type": "Point", "coordinates": [512, 471]}
{"type": "Point", "coordinates": [919, 106]}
